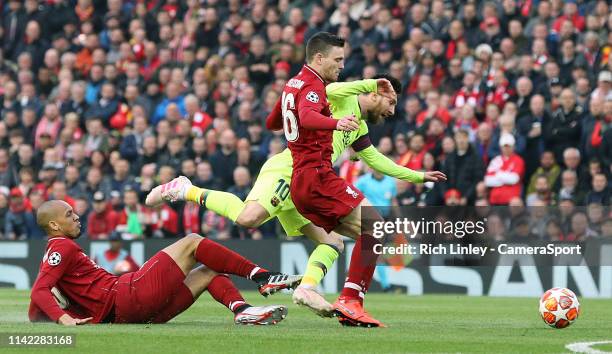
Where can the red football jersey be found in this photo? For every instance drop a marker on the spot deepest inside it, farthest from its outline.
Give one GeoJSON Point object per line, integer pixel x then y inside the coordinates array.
{"type": "Point", "coordinates": [66, 267]}
{"type": "Point", "coordinates": [306, 118]}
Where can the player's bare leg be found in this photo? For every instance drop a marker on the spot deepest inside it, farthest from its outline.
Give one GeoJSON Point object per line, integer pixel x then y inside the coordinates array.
{"type": "Point", "coordinates": [247, 214]}
{"type": "Point", "coordinates": [195, 248]}
{"type": "Point", "coordinates": [253, 215]}
{"type": "Point", "coordinates": [349, 306]}
{"type": "Point", "coordinates": [328, 248]}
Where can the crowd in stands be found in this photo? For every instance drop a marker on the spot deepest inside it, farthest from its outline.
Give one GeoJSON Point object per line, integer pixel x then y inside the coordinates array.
{"type": "Point", "coordinates": [101, 100]}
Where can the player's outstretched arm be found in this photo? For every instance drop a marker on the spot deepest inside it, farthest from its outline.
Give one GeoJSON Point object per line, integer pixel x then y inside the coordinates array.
{"type": "Point", "coordinates": [311, 104]}
{"type": "Point", "coordinates": [339, 90]}
{"type": "Point", "coordinates": [42, 297]}
{"type": "Point", "coordinates": [381, 163]}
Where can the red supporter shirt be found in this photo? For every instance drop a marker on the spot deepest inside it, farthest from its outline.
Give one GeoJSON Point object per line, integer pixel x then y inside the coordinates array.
{"type": "Point", "coordinates": [504, 177]}
{"type": "Point", "coordinates": [304, 113]}
{"type": "Point", "coordinates": [200, 123]}
{"type": "Point", "coordinates": [66, 267]}
{"type": "Point", "coordinates": [101, 224]}
{"type": "Point", "coordinates": [441, 114]}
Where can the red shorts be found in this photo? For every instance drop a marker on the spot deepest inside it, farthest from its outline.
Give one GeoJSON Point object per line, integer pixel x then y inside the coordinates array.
{"type": "Point", "coordinates": [154, 294]}
{"type": "Point", "coordinates": [322, 197]}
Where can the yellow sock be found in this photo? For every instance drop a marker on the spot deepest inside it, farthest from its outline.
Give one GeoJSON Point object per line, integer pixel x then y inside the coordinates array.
{"type": "Point", "coordinates": [194, 194]}
{"type": "Point", "coordinates": [319, 262]}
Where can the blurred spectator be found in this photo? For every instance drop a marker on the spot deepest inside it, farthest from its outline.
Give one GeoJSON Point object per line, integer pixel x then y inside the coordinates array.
{"type": "Point", "coordinates": [4, 208]}
{"type": "Point", "coordinates": [572, 161]}
{"type": "Point", "coordinates": [241, 188]}
{"type": "Point", "coordinates": [413, 158]}
{"type": "Point", "coordinates": [464, 169]}
{"type": "Point", "coordinates": [5, 170]}
{"type": "Point", "coordinates": [225, 160]}
{"type": "Point", "coordinates": [58, 191]}
{"type": "Point", "coordinates": [606, 229]}
{"type": "Point", "coordinates": [548, 168]}
{"type": "Point", "coordinates": [600, 192]}
{"type": "Point", "coordinates": [563, 130]}
{"type": "Point", "coordinates": [102, 219]}
{"type": "Point", "coordinates": [452, 197]}
{"type": "Point", "coordinates": [579, 228]}
{"type": "Point", "coordinates": [20, 223]}
{"type": "Point", "coordinates": [172, 96]}
{"type": "Point", "coordinates": [133, 220]}
{"type": "Point", "coordinates": [505, 173]}
{"type": "Point", "coordinates": [115, 259]}
{"type": "Point", "coordinates": [121, 178]}
{"type": "Point", "coordinates": [530, 126]}
{"type": "Point", "coordinates": [596, 216]}
{"type": "Point", "coordinates": [553, 231]}
{"type": "Point", "coordinates": [165, 222]}
{"type": "Point", "coordinates": [521, 232]}
{"type": "Point", "coordinates": [495, 227]}
{"type": "Point", "coordinates": [49, 125]}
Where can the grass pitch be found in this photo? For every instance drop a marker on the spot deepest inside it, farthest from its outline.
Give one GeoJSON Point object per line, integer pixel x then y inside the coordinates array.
{"type": "Point", "coordinates": [444, 323]}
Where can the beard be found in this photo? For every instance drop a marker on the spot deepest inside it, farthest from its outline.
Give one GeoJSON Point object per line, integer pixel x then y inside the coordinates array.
{"type": "Point", "coordinates": [373, 118]}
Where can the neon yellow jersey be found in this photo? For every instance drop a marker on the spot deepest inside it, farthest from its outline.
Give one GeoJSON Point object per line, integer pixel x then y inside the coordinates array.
{"type": "Point", "coordinates": [343, 99]}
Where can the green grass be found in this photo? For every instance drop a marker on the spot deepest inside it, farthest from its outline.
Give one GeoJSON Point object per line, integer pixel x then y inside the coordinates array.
{"type": "Point", "coordinates": [443, 323]}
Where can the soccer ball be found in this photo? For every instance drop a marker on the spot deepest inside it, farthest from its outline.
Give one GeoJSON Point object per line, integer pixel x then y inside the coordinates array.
{"type": "Point", "coordinates": [559, 307]}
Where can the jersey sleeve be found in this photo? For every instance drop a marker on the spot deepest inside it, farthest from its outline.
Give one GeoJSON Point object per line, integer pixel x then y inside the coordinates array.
{"type": "Point", "coordinates": [362, 139]}
{"type": "Point", "coordinates": [381, 163]}
{"type": "Point", "coordinates": [56, 262]}
{"type": "Point", "coordinates": [58, 259]}
{"type": "Point", "coordinates": [345, 89]}
{"type": "Point", "coordinates": [311, 102]}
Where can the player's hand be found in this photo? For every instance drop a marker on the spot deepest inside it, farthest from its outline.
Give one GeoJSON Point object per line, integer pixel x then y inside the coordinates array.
{"type": "Point", "coordinates": [434, 176]}
{"type": "Point", "coordinates": [348, 124]}
{"type": "Point", "coordinates": [67, 320]}
{"type": "Point", "coordinates": [385, 88]}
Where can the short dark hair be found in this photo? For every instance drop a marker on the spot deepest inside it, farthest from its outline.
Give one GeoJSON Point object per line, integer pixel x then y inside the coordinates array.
{"type": "Point", "coordinates": [322, 43]}
{"type": "Point", "coordinates": [397, 85]}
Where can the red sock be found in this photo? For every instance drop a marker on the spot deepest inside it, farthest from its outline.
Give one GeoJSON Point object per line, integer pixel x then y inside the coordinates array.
{"type": "Point", "coordinates": [361, 268]}
{"type": "Point", "coordinates": [223, 260]}
{"type": "Point", "coordinates": [224, 291]}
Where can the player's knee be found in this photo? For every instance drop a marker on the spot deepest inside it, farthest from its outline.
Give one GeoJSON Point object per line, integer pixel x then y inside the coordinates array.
{"type": "Point", "coordinates": [193, 238]}
{"type": "Point", "coordinates": [249, 219]}
{"type": "Point", "coordinates": [337, 244]}
{"type": "Point", "coordinates": [353, 230]}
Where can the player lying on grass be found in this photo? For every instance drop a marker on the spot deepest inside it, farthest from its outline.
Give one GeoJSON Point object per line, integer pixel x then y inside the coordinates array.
{"type": "Point", "coordinates": [270, 197]}
{"type": "Point", "coordinates": [166, 285]}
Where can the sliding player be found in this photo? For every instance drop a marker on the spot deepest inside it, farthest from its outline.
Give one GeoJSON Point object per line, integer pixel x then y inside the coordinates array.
{"type": "Point", "coordinates": [165, 286]}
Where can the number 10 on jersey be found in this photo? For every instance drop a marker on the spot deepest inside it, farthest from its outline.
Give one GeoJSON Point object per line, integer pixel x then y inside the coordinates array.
{"type": "Point", "coordinates": [290, 125]}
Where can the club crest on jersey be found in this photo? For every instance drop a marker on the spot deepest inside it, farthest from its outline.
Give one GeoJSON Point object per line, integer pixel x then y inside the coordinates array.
{"type": "Point", "coordinates": [274, 201]}
{"type": "Point", "coordinates": [312, 97]}
{"type": "Point", "coordinates": [54, 259]}
{"type": "Point", "coordinates": [351, 192]}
